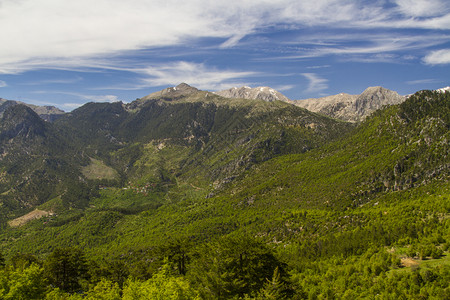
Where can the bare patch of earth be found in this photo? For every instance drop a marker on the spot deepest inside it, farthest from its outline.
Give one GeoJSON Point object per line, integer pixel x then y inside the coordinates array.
{"type": "Point", "coordinates": [409, 262]}
{"type": "Point", "coordinates": [35, 214]}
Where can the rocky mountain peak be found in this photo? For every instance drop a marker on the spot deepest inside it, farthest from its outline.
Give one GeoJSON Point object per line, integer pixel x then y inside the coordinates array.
{"type": "Point", "coordinates": [183, 89]}
{"type": "Point", "coordinates": [352, 108]}
{"type": "Point", "coordinates": [374, 98]}
{"type": "Point", "coordinates": [262, 92]}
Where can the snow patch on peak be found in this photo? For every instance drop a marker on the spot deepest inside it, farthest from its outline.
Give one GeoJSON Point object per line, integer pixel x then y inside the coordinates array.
{"type": "Point", "coordinates": [261, 92]}
{"type": "Point", "coordinates": [443, 90]}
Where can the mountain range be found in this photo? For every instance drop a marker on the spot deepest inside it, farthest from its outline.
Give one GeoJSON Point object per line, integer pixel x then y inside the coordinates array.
{"type": "Point", "coordinates": [216, 137]}
{"type": "Point", "coordinates": [245, 92]}
{"type": "Point", "coordinates": [230, 194]}
{"type": "Point", "coordinates": [350, 108]}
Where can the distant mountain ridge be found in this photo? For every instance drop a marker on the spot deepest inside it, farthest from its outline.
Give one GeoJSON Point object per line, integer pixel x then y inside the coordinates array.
{"type": "Point", "coordinates": [352, 108]}
{"type": "Point", "coordinates": [48, 113]}
{"type": "Point", "coordinates": [262, 92]}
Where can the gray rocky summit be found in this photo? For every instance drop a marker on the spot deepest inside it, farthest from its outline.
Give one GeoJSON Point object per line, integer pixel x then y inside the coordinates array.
{"type": "Point", "coordinates": [352, 108]}
{"type": "Point", "coordinates": [183, 89]}
{"type": "Point", "coordinates": [263, 92]}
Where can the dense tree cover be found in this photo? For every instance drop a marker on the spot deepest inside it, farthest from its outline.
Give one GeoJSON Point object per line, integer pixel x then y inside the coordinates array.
{"type": "Point", "coordinates": [220, 272]}
{"type": "Point", "coordinates": [66, 268]}
{"type": "Point", "coordinates": [366, 216]}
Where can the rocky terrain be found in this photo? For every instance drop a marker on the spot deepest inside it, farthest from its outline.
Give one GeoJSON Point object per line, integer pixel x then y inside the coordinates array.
{"type": "Point", "coordinates": [263, 92]}
{"type": "Point", "coordinates": [352, 108]}
{"type": "Point", "coordinates": [345, 107]}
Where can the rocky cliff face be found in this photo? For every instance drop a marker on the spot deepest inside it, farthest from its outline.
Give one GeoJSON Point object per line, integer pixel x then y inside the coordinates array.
{"type": "Point", "coordinates": [264, 93]}
{"type": "Point", "coordinates": [352, 108]}
{"type": "Point", "coordinates": [333, 106]}
{"type": "Point", "coordinates": [371, 99]}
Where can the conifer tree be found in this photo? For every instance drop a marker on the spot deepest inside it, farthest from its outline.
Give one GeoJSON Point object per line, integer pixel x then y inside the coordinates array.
{"type": "Point", "coordinates": [273, 289]}
{"type": "Point", "coordinates": [65, 267]}
{"type": "Point", "coordinates": [2, 260]}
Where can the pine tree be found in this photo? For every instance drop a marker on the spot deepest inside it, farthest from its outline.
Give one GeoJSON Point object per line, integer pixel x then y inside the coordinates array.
{"type": "Point", "coordinates": [274, 288]}
{"type": "Point", "coordinates": [2, 261]}
{"type": "Point", "coordinates": [65, 267]}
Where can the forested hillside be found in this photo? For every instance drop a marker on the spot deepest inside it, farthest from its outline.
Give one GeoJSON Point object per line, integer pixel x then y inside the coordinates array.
{"type": "Point", "coordinates": [199, 196]}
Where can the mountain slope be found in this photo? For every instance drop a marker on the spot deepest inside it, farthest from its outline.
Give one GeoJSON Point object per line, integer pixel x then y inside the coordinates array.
{"type": "Point", "coordinates": [36, 161]}
{"type": "Point", "coordinates": [400, 148]}
{"type": "Point", "coordinates": [218, 128]}
{"type": "Point", "coordinates": [180, 134]}
{"type": "Point", "coordinates": [352, 108]}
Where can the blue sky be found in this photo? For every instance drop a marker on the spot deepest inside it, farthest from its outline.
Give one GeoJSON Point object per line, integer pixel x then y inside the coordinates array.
{"type": "Point", "coordinates": [66, 53]}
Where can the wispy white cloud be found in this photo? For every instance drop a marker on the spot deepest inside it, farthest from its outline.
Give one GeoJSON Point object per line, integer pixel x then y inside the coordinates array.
{"type": "Point", "coordinates": [422, 8]}
{"type": "Point", "coordinates": [56, 81]}
{"type": "Point", "coordinates": [365, 47]}
{"type": "Point", "coordinates": [316, 83]}
{"type": "Point", "coordinates": [94, 98]}
{"type": "Point", "coordinates": [73, 34]}
{"type": "Point", "coordinates": [421, 81]}
{"type": "Point", "coordinates": [196, 74]}
{"type": "Point", "coordinates": [2, 84]}
{"type": "Point", "coordinates": [284, 87]}
{"type": "Point", "coordinates": [318, 67]}
{"type": "Point", "coordinates": [439, 57]}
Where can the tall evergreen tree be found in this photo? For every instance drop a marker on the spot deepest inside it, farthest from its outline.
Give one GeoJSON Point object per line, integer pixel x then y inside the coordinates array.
{"type": "Point", "coordinates": [65, 267]}
{"type": "Point", "coordinates": [2, 260]}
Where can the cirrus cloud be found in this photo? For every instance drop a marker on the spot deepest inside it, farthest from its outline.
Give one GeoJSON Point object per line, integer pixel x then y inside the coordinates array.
{"type": "Point", "coordinates": [70, 34]}
{"type": "Point", "coordinates": [316, 83]}
{"type": "Point", "coordinates": [196, 74]}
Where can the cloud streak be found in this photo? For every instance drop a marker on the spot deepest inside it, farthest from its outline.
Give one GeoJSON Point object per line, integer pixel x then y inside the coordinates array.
{"type": "Point", "coordinates": [316, 83]}
{"type": "Point", "coordinates": [422, 8]}
{"type": "Point", "coordinates": [196, 74]}
{"type": "Point", "coordinates": [72, 34]}
{"type": "Point", "coordinates": [370, 47]}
